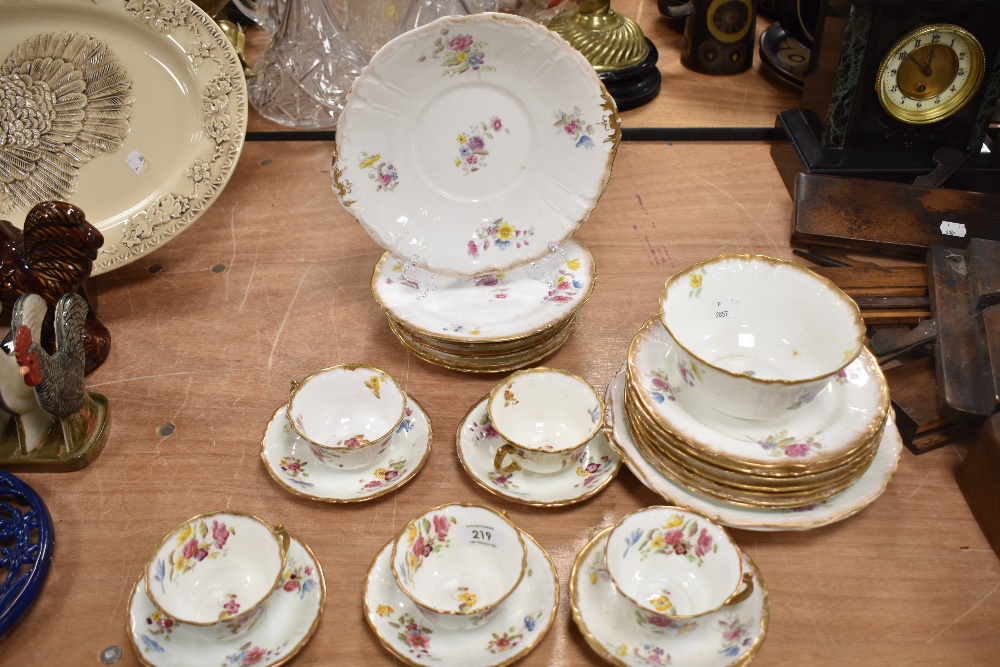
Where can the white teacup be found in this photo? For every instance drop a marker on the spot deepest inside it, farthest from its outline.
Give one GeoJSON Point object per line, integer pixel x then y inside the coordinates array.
{"type": "Point", "coordinates": [347, 414]}
{"type": "Point", "coordinates": [458, 563]}
{"type": "Point", "coordinates": [545, 417]}
{"type": "Point", "coordinates": [215, 573]}
{"type": "Point", "coordinates": [758, 336]}
{"type": "Point", "coordinates": [674, 566]}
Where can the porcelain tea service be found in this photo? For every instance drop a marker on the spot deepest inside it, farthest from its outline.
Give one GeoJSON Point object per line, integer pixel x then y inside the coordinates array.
{"type": "Point", "coordinates": [458, 563]}
{"type": "Point", "coordinates": [347, 413]}
{"type": "Point", "coordinates": [216, 573]}
{"type": "Point", "coordinates": [759, 336]}
{"type": "Point", "coordinates": [546, 417]}
{"type": "Point", "coordinates": [673, 565]}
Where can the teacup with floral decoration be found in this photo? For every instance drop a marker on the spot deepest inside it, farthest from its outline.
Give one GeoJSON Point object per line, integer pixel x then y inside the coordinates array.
{"type": "Point", "coordinates": [545, 417]}
{"type": "Point", "coordinates": [458, 563]}
{"type": "Point", "coordinates": [347, 413]}
{"type": "Point", "coordinates": [215, 573]}
{"type": "Point", "coordinates": [758, 337]}
{"type": "Point", "coordinates": [674, 565]}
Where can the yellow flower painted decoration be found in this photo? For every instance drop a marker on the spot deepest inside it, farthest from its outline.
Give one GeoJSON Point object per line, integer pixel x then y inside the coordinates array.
{"type": "Point", "coordinates": [673, 522]}
{"type": "Point", "coordinates": [373, 384]}
{"type": "Point", "coordinates": [462, 138]}
{"type": "Point", "coordinates": [506, 232]}
{"type": "Point", "coordinates": [370, 160]}
{"type": "Point", "coordinates": [622, 650]}
{"type": "Point", "coordinates": [662, 603]}
{"type": "Point", "coordinates": [183, 536]}
{"type": "Point", "coordinates": [383, 610]}
{"type": "Point", "coordinates": [593, 577]}
{"type": "Point", "coordinates": [695, 279]}
{"type": "Point", "coordinates": [573, 264]}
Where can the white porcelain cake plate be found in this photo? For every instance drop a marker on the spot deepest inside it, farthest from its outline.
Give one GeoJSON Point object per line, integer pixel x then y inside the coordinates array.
{"type": "Point", "coordinates": [478, 443]}
{"type": "Point", "coordinates": [296, 607]}
{"type": "Point", "coordinates": [490, 307]}
{"type": "Point", "coordinates": [836, 508]}
{"type": "Point", "coordinates": [471, 144]}
{"type": "Point", "coordinates": [186, 128]}
{"type": "Point", "coordinates": [845, 415]}
{"type": "Point", "coordinates": [513, 631]}
{"type": "Point", "coordinates": [291, 463]}
{"type": "Point", "coordinates": [726, 638]}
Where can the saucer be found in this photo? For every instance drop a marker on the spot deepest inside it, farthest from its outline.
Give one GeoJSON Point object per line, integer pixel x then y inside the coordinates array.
{"type": "Point", "coordinates": [835, 508]}
{"type": "Point", "coordinates": [515, 629]}
{"type": "Point", "coordinates": [478, 444]}
{"type": "Point", "coordinates": [291, 463]}
{"type": "Point", "coordinates": [490, 309]}
{"type": "Point", "coordinates": [843, 418]}
{"type": "Point", "coordinates": [725, 638]}
{"type": "Point", "coordinates": [472, 144]}
{"type": "Point", "coordinates": [290, 621]}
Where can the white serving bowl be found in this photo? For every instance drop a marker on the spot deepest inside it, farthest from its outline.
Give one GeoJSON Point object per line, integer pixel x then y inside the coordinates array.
{"type": "Point", "coordinates": [458, 563]}
{"type": "Point", "coordinates": [347, 414]}
{"type": "Point", "coordinates": [758, 336]}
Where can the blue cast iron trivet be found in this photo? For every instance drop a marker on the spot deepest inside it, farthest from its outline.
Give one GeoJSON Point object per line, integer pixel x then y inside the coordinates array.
{"type": "Point", "coordinates": [25, 548]}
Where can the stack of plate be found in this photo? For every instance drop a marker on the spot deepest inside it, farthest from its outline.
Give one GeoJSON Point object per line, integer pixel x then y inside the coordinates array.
{"type": "Point", "coordinates": [496, 322]}
{"type": "Point", "coordinates": [472, 149]}
{"type": "Point", "coordinates": [800, 458]}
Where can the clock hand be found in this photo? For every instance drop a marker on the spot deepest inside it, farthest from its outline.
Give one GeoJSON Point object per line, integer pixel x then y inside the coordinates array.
{"type": "Point", "coordinates": [924, 69]}
{"type": "Point", "coordinates": [930, 57]}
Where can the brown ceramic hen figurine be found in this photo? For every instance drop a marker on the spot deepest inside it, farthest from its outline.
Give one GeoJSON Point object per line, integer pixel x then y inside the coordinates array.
{"type": "Point", "coordinates": [53, 256]}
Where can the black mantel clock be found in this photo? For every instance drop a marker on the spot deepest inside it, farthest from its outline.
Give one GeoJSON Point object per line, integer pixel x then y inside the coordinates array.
{"type": "Point", "coordinates": [892, 81]}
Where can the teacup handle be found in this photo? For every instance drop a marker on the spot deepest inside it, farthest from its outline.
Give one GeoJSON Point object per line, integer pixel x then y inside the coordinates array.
{"type": "Point", "coordinates": [286, 539]}
{"type": "Point", "coordinates": [504, 450]}
{"type": "Point", "coordinates": [740, 596]}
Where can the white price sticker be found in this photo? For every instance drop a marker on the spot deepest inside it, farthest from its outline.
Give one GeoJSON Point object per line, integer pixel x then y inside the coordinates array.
{"type": "Point", "coordinates": [136, 161]}
{"type": "Point", "coordinates": [952, 229]}
{"type": "Point", "coordinates": [726, 308]}
{"type": "Point", "coordinates": [484, 535]}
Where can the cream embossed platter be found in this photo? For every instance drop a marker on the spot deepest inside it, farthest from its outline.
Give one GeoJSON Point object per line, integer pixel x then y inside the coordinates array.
{"type": "Point", "coordinates": [473, 143]}
{"type": "Point", "coordinates": [140, 126]}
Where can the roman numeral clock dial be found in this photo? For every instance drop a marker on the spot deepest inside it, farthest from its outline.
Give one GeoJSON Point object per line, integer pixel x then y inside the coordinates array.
{"type": "Point", "coordinates": [930, 74]}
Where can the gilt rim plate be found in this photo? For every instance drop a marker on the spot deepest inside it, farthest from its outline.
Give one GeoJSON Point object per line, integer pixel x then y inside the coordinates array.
{"type": "Point", "coordinates": [154, 153]}
{"type": "Point", "coordinates": [474, 143]}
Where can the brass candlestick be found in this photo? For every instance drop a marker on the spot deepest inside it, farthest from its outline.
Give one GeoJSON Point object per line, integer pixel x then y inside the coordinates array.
{"type": "Point", "coordinates": [614, 44]}
{"type": "Point", "coordinates": [609, 40]}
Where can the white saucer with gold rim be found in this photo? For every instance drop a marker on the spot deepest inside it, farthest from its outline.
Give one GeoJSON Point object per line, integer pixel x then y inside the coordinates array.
{"type": "Point", "coordinates": [608, 622]}
{"type": "Point", "coordinates": [836, 508]}
{"type": "Point", "coordinates": [478, 443]}
{"type": "Point", "coordinates": [294, 613]}
{"type": "Point", "coordinates": [516, 628]}
{"type": "Point", "coordinates": [291, 463]}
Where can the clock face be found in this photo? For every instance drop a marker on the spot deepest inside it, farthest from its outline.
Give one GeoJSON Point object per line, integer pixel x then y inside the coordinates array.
{"type": "Point", "coordinates": [729, 20]}
{"type": "Point", "coordinates": [930, 74]}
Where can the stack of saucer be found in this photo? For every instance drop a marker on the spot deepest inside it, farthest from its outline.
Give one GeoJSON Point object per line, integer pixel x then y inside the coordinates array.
{"type": "Point", "coordinates": [473, 166]}
{"type": "Point", "coordinates": [742, 437]}
{"type": "Point", "coordinates": [490, 323]}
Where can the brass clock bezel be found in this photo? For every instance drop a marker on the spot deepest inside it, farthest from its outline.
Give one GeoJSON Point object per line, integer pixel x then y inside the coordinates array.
{"type": "Point", "coordinates": [949, 107]}
{"type": "Point", "coordinates": [720, 35]}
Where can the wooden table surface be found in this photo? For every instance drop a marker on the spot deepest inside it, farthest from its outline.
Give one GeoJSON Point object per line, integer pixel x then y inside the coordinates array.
{"type": "Point", "coordinates": [273, 282]}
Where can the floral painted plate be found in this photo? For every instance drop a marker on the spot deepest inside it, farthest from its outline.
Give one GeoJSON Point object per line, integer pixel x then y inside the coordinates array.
{"type": "Point", "coordinates": [296, 607]}
{"type": "Point", "coordinates": [836, 508]}
{"type": "Point", "coordinates": [611, 625]}
{"type": "Point", "coordinates": [491, 307]}
{"type": "Point", "coordinates": [471, 144]}
{"type": "Point", "coordinates": [516, 628]}
{"type": "Point", "coordinates": [478, 444]}
{"type": "Point", "coordinates": [164, 109]}
{"type": "Point", "coordinates": [292, 464]}
{"type": "Point", "coordinates": [840, 421]}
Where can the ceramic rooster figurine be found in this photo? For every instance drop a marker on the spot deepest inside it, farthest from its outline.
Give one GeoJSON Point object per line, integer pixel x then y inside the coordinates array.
{"type": "Point", "coordinates": [57, 378]}
{"type": "Point", "coordinates": [17, 399]}
{"type": "Point", "coordinates": [53, 256]}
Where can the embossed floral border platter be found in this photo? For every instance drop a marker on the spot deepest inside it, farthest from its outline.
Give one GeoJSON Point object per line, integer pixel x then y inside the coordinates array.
{"type": "Point", "coordinates": [183, 111]}
{"type": "Point", "coordinates": [491, 307]}
{"type": "Point", "coordinates": [471, 144]}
